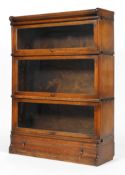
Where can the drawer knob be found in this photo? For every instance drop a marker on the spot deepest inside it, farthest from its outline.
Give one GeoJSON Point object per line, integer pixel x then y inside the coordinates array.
{"type": "Point", "coordinates": [52, 94]}
{"type": "Point", "coordinates": [24, 143]}
{"type": "Point", "coordinates": [51, 50]}
{"type": "Point", "coordinates": [51, 133]}
{"type": "Point", "coordinates": [81, 153]}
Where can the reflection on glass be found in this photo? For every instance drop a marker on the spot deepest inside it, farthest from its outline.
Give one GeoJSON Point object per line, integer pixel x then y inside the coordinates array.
{"type": "Point", "coordinates": [67, 118]}
{"type": "Point", "coordinates": [60, 76]}
{"type": "Point", "coordinates": [56, 37]}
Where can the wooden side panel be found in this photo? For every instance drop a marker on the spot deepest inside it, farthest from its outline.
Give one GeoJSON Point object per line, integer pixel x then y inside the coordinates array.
{"type": "Point", "coordinates": [106, 30]}
{"type": "Point", "coordinates": [105, 152]}
{"type": "Point", "coordinates": [107, 119]}
{"type": "Point", "coordinates": [106, 76]}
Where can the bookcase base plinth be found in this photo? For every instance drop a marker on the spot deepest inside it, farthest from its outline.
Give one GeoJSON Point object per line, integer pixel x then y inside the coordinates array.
{"type": "Point", "coordinates": [64, 150]}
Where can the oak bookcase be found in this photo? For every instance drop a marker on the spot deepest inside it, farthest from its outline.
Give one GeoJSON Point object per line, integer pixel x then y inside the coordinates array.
{"type": "Point", "coordinates": [63, 86]}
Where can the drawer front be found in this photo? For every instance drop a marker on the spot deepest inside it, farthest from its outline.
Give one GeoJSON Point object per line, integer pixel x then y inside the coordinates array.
{"type": "Point", "coordinates": [54, 148]}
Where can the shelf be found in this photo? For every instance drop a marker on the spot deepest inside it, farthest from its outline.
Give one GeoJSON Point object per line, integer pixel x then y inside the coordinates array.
{"type": "Point", "coordinates": [56, 97]}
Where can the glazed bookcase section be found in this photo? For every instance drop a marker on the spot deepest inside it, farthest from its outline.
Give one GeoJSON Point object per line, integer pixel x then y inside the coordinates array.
{"type": "Point", "coordinates": [82, 34]}
{"type": "Point", "coordinates": [58, 118]}
{"type": "Point", "coordinates": [72, 78]}
{"type": "Point", "coordinates": [55, 37]}
{"type": "Point", "coordinates": [47, 134]}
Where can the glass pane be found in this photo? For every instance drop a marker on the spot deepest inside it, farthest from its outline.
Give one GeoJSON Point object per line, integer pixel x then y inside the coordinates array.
{"type": "Point", "coordinates": [61, 76]}
{"type": "Point", "coordinates": [56, 37]}
{"type": "Point", "coordinates": [56, 117]}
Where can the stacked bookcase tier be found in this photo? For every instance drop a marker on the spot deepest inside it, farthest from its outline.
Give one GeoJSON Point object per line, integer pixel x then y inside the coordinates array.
{"type": "Point", "coordinates": [79, 34]}
{"type": "Point", "coordinates": [64, 77]}
{"type": "Point", "coordinates": [63, 86]}
{"type": "Point", "coordinates": [80, 117]}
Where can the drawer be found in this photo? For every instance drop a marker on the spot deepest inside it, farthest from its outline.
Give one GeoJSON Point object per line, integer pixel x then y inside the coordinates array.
{"type": "Point", "coordinates": [60, 149]}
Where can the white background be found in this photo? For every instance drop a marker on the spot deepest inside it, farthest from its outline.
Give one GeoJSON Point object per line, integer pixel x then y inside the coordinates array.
{"type": "Point", "coordinates": [16, 164]}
